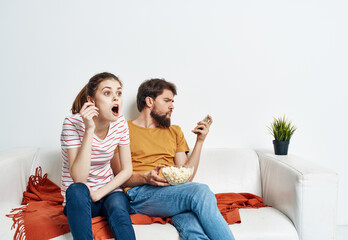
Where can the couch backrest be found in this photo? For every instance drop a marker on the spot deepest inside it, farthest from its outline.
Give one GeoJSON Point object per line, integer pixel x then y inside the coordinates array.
{"type": "Point", "coordinates": [223, 169]}
{"type": "Point", "coordinates": [15, 167]}
{"type": "Point", "coordinates": [230, 170]}
{"type": "Point", "coordinates": [50, 160]}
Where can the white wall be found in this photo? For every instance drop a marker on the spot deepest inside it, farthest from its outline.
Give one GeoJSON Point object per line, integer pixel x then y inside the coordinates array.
{"type": "Point", "coordinates": [241, 61]}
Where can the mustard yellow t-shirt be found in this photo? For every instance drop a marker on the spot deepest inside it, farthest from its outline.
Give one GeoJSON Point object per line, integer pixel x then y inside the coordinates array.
{"type": "Point", "coordinates": [153, 146]}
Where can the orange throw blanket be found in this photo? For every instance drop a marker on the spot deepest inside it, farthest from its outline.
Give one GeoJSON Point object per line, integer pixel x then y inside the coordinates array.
{"type": "Point", "coordinates": [44, 210]}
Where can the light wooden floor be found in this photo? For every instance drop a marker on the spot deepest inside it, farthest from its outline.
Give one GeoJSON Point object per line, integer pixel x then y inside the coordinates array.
{"type": "Point", "coordinates": [342, 232]}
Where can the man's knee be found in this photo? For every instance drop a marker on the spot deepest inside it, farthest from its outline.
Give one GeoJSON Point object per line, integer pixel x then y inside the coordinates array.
{"type": "Point", "coordinates": [202, 192]}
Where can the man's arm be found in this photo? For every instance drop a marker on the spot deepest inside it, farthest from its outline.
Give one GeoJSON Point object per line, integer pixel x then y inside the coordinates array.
{"type": "Point", "coordinates": [202, 130]}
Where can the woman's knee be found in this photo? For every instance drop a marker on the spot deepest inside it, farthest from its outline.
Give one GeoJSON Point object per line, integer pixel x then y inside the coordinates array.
{"type": "Point", "coordinates": [77, 191]}
{"type": "Point", "coordinates": [117, 202]}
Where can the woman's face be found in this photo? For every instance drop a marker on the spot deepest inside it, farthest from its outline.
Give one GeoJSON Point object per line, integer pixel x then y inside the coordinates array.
{"type": "Point", "coordinates": [108, 98]}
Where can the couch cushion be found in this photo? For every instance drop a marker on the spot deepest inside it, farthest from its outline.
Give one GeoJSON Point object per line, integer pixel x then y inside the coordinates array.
{"type": "Point", "coordinates": [230, 170]}
{"type": "Point", "coordinates": [145, 232]}
{"type": "Point", "coordinates": [156, 231]}
{"type": "Point", "coordinates": [5, 222]}
{"type": "Point", "coordinates": [264, 224]}
{"type": "Point", "coordinates": [257, 224]}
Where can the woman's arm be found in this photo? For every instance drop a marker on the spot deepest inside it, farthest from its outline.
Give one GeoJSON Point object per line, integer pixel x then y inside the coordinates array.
{"type": "Point", "coordinates": [122, 168]}
{"type": "Point", "coordinates": [80, 158]}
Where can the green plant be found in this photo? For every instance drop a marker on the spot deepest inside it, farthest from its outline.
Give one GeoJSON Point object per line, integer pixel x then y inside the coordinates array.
{"type": "Point", "coordinates": [282, 129]}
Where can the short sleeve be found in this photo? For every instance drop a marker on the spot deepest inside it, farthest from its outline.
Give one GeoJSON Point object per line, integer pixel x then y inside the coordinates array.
{"type": "Point", "coordinates": [124, 140]}
{"type": "Point", "coordinates": [70, 137]}
{"type": "Point", "coordinates": [181, 144]}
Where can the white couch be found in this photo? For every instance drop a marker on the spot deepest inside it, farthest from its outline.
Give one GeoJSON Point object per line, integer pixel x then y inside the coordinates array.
{"type": "Point", "coordinates": [303, 195]}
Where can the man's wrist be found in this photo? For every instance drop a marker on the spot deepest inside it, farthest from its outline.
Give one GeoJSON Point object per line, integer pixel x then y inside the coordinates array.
{"type": "Point", "coordinates": [199, 141]}
{"type": "Point", "coordinates": [144, 177]}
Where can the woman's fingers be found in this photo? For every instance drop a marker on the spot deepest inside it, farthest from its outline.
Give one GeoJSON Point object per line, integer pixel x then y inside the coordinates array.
{"type": "Point", "coordinates": [86, 105]}
{"type": "Point", "coordinates": [90, 115]}
{"type": "Point", "coordinates": [88, 111]}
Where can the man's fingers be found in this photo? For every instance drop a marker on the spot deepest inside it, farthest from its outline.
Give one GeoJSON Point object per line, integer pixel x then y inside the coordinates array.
{"type": "Point", "coordinates": [162, 184]}
{"type": "Point", "coordinates": [159, 179]}
{"type": "Point", "coordinates": [210, 120]}
{"type": "Point", "coordinates": [158, 167]}
{"type": "Point", "coordinates": [196, 131]}
{"type": "Point", "coordinates": [200, 124]}
{"type": "Point", "coordinates": [155, 179]}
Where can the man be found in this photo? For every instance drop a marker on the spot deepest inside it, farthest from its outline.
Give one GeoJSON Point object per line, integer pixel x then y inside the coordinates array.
{"type": "Point", "coordinates": [156, 143]}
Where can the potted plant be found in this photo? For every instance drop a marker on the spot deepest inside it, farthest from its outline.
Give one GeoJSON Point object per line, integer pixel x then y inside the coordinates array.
{"type": "Point", "coordinates": [282, 130]}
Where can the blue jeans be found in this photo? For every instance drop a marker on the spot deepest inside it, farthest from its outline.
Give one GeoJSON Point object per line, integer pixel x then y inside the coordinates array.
{"type": "Point", "coordinates": [80, 210]}
{"type": "Point", "coordinates": [192, 207]}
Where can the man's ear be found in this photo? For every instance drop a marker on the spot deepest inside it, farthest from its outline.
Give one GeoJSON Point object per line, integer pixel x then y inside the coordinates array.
{"type": "Point", "coordinates": [149, 101]}
{"type": "Point", "coordinates": [90, 99]}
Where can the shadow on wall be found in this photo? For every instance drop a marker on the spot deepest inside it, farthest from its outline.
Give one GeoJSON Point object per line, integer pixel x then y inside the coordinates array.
{"type": "Point", "coordinates": [131, 111]}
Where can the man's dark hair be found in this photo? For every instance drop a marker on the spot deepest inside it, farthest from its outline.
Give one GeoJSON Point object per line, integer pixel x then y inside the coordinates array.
{"type": "Point", "coordinates": [152, 88]}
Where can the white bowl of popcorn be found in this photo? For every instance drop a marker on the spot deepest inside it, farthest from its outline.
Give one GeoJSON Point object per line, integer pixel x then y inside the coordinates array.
{"type": "Point", "coordinates": [177, 174]}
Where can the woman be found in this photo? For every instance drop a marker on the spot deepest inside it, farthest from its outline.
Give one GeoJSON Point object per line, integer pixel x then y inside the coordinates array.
{"type": "Point", "coordinates": [89, 138]}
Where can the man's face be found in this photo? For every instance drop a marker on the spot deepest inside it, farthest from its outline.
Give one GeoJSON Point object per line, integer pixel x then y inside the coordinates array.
{"type": "Point", "coordinates": [163, 107]}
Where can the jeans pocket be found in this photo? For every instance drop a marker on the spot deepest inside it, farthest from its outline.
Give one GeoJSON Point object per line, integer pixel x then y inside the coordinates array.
{"type": "Point", "coordinates": [132, 193]}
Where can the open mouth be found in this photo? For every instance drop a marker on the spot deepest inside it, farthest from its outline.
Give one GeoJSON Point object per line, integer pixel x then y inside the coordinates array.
{"type": "Point", "coordinates": [115, 110]}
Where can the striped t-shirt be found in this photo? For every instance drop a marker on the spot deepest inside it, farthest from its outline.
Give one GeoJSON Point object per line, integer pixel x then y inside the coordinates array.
{"type": "Point", "coordinates": [102, 150]}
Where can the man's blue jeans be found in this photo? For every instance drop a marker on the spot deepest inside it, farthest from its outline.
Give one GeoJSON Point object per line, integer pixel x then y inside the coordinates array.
{"type": "Point", "coordinates": [192, 207]}
{"type": "Point", "coordinates": [80, 210]}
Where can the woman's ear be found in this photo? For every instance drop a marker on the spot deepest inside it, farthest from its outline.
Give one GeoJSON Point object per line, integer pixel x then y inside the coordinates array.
{"type": "Point", "coordinates": [90, 99]}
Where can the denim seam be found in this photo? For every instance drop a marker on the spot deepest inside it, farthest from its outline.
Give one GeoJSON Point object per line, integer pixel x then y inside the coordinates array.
{"type": "Point", "coordinates": [133, 210]}
{"type": "Point", "coordinates": [179, 228]}
{"type": "Point", "coordinates": [147, 196]}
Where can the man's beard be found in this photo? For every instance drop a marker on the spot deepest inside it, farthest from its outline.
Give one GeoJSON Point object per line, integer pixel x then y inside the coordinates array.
{"type": "Point", "coordinates": [162, 120]}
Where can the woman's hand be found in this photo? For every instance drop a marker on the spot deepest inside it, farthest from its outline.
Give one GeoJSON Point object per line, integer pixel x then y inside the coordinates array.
{"type": "Point", "coordinates": [88, 112]}
{"type": "Point", "coordinates": [94, 194]}
{"type": "Point", "coordinates": [202, 129]}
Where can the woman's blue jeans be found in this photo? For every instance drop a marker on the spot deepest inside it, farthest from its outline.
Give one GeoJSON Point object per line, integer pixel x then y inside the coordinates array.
{"type": "Point", "coordinates": [192, 207]}
{"type": "Point", "coordinates": [80, 210]}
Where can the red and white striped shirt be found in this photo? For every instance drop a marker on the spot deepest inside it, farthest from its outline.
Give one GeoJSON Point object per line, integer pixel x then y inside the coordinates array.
{"type": "Point", "coordinates": [100, 172]}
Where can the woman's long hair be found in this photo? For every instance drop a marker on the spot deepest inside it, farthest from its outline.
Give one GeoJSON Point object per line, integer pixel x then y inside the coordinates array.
{"type": "Point", "coordinates": [90, 88]}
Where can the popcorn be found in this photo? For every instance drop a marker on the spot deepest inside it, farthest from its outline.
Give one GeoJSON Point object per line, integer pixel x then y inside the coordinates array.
{"type": "Point", "coordinates": [177, 175]}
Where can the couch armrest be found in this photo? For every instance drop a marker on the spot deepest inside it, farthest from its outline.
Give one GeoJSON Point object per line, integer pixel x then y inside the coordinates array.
{"type": "Point", "coordinates": [304, 191]}
{"type": "Point", "coordinates": [15, 168]}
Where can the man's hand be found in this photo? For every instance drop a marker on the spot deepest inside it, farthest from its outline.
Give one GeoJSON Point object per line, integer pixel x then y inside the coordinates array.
{"type": "Point", "coordinates": [153, 177]}
{"type": "Point", "coordinates": [202, 129]}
